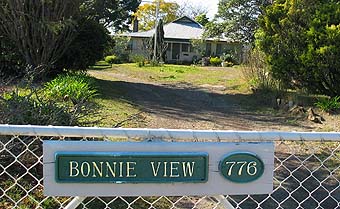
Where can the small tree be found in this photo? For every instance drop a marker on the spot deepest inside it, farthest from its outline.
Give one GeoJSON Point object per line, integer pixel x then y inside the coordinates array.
{"type": "Point", "coordinates": [238, 19]}
{"type": "Point", "coordinates": [146, 13]}
{"type": "Point", "coordinates": [199, 46]}
{"type": "Point", "coordinates": [40, 30]}
{"type": "Point", "coordinates": [161, 46]}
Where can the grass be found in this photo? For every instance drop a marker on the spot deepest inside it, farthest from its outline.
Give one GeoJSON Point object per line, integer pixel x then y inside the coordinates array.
{"type": "Point", "coordinates": [101, 65]}
{"type": "Point", "coordinates": [116, 110]}
{"type": "Point", "coordinates": [180, 73]}
{"type": "Point", "coordinates": [113, 110]}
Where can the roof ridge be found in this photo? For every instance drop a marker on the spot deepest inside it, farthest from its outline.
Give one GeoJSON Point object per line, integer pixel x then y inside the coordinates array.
{"type": "Point", "coordinates": [194, 21]}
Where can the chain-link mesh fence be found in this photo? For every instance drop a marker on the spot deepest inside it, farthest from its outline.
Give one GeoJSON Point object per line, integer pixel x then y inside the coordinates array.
{"type": "Point", "coordinates": [306, 174]}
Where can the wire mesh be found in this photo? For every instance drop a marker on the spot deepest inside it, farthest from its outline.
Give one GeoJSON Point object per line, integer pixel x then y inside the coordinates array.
{"type": "Point", "coordinates": [306, 175]}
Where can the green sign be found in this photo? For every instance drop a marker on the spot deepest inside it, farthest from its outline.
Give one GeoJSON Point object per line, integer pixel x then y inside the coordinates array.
{"type": "Point", "coordinates": [242, 167]}
{"type": "Point", "coordinates": [106, 167]}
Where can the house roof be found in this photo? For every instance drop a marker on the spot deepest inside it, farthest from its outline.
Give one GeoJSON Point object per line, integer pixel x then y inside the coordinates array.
{"type": "Point", "coordinates": [181, 28]}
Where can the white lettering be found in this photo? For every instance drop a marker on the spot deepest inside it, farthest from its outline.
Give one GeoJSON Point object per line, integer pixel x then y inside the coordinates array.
{"type": "Point", "coordinates": [72, 168]}
{"type": "Point", "coordinates": [155, 171]}
{"type": "Point", "coordinates": [188, 168]}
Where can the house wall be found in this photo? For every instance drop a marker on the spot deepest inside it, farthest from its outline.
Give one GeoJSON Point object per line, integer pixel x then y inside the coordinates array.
{"type": "Point", "coordinates": [186, 54]}
{"type": "Point", "coordinates": [138, 47]}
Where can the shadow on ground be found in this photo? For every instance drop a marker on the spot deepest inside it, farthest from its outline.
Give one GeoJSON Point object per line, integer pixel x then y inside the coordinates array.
{"type": "Point", "coordinates": [187, 104]}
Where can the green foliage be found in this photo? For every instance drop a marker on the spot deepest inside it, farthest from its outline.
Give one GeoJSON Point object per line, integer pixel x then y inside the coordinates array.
{"type": "Point", "coordinates": [30, 109]}
{"type": "Point", "coordinates": [227, 57]}
{"type": "Point", "coordinates": [87, 48]}
{"type": "Point", "coordinates": [118, 45]}
{"type": "Point", "coordinates": [11, 62]}
{"type": "Point", "coordinates": [202, 19]}
{"type": "Point", "coordinates": [146, 13]}
{"type": "Point", "coordinates": [116, 14]}
{"type": "Point", "coordinates": [161, 46]}
{"type": "Point", "coordinates": [302, 41]}
{"type": "Point", "coordinates": [77, 88]}
{"type": "Point", "coordinates": [215, 61]}
{"type": "Point", "coordinates": [329, 104]}
{"type": "Point", "coordinates": [138, 59]}
{"type": "Point", "coordinates": [227, 64]}
{"type": "Point", "coordinates": [62, 101]}
{"type": "Point", "coordinates": [112, 59]}
{"type": "Point", "coordinates": [257, 74]}
{"type": "Point", "coordinates": [199, 46]}
{"type": "Point", "coordinates": [237, 19]}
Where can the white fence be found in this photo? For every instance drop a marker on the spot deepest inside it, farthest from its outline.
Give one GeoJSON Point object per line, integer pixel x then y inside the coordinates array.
{"type": "Point", "coordinates": [306, 174]}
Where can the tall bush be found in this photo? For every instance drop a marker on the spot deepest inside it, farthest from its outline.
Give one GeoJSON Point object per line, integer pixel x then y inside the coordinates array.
{"type": "Point", "coordinates": [12, 63]}
{"type": "Point", "coordinates": [302, 42]}
{"type": "Point", "coordinates": [87, 47]}
{"type": "Point", "coordinates": [257, 74]}
{"type": "Point", "coordinates": [119, 46]}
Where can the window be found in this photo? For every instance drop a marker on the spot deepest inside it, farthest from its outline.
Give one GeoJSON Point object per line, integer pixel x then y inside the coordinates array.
{"type": "Point", "coordinates": [208, 49]}
{"type": "Point", "coordinates": [219, 49]}
{"type": "Point", "coordinates": [185, 47]}
{"type": "Point", "coordinates": [192, 49]}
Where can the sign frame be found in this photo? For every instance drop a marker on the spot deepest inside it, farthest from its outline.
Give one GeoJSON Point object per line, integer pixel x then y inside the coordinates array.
{"type": "Point", "coordinates": [216, 184]}
{"type": "Point", "coordinates": [134, 155]}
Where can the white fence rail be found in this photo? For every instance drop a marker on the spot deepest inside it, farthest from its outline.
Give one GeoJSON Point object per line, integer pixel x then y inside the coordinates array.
{"type": "Point", "coordinates": [306, 174]}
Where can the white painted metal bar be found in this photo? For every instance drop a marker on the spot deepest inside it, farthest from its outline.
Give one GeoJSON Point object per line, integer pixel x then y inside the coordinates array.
{"type": "Point", "coordinates": [176, 134]}
{"type": "Point", "coordinates": [76, 201]}
{"type": "Point", "coordinates": [224, 202]}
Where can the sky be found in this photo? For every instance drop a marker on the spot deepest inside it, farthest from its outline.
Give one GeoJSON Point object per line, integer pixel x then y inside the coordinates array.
{"type": "Point", "coordinates": [211, 5]}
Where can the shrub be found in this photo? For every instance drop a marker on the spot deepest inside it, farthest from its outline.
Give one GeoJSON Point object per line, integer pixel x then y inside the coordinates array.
{"type": "Point", "coordinates": [12, 63]}
{"type": "Point", "coordinates": [30, 109]}
{"type": "Point", "coordinates": [329, 104]}
{"type": "Point", "coordinates": [215, 61]}
{"type": "Point", "coordinates": [112, 59]}
{"type": "Point", "coordinates": [257, 75]}
{"type": "Point", "coordinates": [87, 48]}
{"type": "Point", "coordinates": [226, 57]}
{"type": "Point", "coordinates": [62, 101]}
{"type": "Point", "coordinates": [118, 45]}
{"type": "Point", "coordinates": [138, 59]}
{"type": "Point", "coordinates": [227, 64]}
{"type": "Point", "coordinates": [75, 87]}
{"type": "Point", "coordinates": [302, 41]}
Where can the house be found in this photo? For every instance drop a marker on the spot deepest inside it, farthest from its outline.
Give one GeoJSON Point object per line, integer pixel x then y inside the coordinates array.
{"type": "Point", "coordinates": [178, 36]}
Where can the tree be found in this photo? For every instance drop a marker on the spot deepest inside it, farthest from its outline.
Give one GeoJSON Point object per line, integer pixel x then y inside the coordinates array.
{"type": "Point", "coordinates": [191, 10]}
{"type": "Point", "coordinates": [302, 42]}
{"type": "Point", "coordinates": [161, 46]}
{"type": "Point", "coordinates": [40, 30]}
{"type": "Point", "coordinates": [146, 14]}
{"type": "Point", "coordinates": [202, 19]}
{"type": "Point", "coordinates": [111, 13]}
{"type": "Point", "coordinates": [238, 19]}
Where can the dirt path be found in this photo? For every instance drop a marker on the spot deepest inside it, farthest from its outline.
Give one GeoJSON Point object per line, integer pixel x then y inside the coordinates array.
{"type": "Point", "coordinates": [184, 106]}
